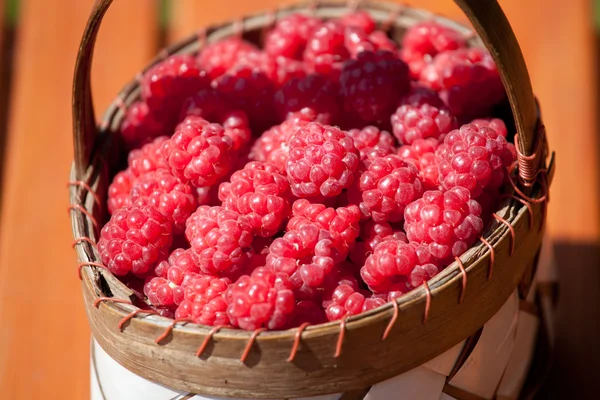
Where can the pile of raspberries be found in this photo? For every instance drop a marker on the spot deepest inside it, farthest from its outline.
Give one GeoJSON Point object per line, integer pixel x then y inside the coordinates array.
{"type": "Point", "coordinates": [317, 177]}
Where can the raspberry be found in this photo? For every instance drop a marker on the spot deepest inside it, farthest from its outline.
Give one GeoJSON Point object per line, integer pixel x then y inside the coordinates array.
{"type": "Point", "coordinates": [474, 158]}
{"type": "Point", "coordinates": [262, 299]}
{"type": "Point", "coordinates": [314, 92]}
{"type": "Point", "coordinates": [372, 141]}
{"type": "Point", "coordinates": [391, 261]}
{"type": "Point", "coordinates": [149, 158]}
{"type": "Point", "coordinates": [423, 41]}
{"type": "Point", "coordinates": [411, 123]}
{"type": "Point", "coordinates": [204, 300]}
{"type": "Point", "coordinates": [493, 123]}
{"type": "Point", "coordinates": [325, 50]}
{"type": "Point", "coordinates": [221, 244]}
{"type": "Point", "coordinates": [166, 289]}
{"type": "Point", "coordinates": [359, 19]}
{"type": "Point", "coordinates": [371, 234]}
{"type": "Point", "coordinates": [119, 190]}
{"type": "Point", "coordinates": [341, 223]}
{"type": "Point", "coordinates": [218, 57]}
{"type": "Point", "coordinates": [251, 89]}
{"type": "Point", "coordinates": [166, 85]}
{"type": "Point", "coordinates": [272, 145]}
{"type": "Point", "coordinates": [322, 161]}
{"type": "Point", "coordinates": [422, 273]}
{"type": "Point", "coordinates": [215, 107]}
{"type": "Point", "coordinates": [387, 187]}
{"type": "Point", "coordinates": [422, 154]}
{"type": "Point", "coordinates": [163, 191]}
{"type": "Point", "coordinates": [287, 69]}
{"type": "Point", "coordinates": [260, 194]}
{"type": "Point", "coordinates": [134, 240]}
{"type": "Point", "coordinates": [467, 80]}
{"type": "Point", "coordinates": [420, 95]}
{"type": "Point", "coordinates": [308, 311]}
{"type": "Point", "coordinates": [198, 152]}
{"type": "Point", "coordinates": [140, 125]}
{"type": "Point", "coordinates": [346, 300]}
{"type": "Point", "coordinates": [289, 36]}
{"type": "Point", "coordinates": [373, 84]}
{"type": "Point", "coordinates": [447, 222]}
{"type": "Point", "coordinates": [357, 41]}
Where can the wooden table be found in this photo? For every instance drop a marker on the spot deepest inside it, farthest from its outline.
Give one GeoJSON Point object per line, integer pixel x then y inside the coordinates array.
{"type": "Point", "coordinates": [44, 338]}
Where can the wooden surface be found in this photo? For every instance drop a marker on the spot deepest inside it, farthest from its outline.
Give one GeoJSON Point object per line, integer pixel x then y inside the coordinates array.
{"type": "Point", "coordinates": [44, 342]}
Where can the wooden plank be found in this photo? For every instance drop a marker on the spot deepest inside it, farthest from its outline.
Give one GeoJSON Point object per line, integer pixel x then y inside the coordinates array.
{"type": "Point", "coordinates": [44, 339]}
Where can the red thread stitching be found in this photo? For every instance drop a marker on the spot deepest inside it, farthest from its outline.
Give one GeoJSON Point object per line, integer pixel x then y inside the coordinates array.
{"type": "Point", "coordinates": [525, 203]}
{"type": "Point", "coordinates": [120, 103]}
{"type": "Point", "coordinates": [208, 338]}
{"type": "Point", "coordinates": [169, 329]}
{"type": "Point", "coordinates": [86, 187]}
{"type": "Point", "coordinates": [81, 240]}
{"type": "Point", "coordinates": [131, 315]}
{"type": "Point", "coordinates": [89, 264]}
{"type": "Point", "coordinates": [250, 343]}
{"type": "Point", "coordinates": [512, 232]}
{"type": "Point", "coordinates": [83, 210]}
{"type": "Point", "coordinates": [464, 279]}
{"type": "Point", "coordinates": [492, 256]}
{"type": "Point", "coordinates": [390, 325]}
{"type": "Point", "coordinates": [427, 302]}
{"type": "Point", "coordinates": [340, 341]}
{"type": "Point", "coordinates": [296, 344]}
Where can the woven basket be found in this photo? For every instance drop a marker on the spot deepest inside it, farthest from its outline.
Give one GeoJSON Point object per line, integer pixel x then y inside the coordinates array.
{"type": "Point", "coordinates": [339, 357]}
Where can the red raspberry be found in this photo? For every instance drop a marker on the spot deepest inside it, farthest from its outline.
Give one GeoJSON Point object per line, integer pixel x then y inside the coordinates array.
{"type": "Point", "coordinates": [289, 36]}
{"type": "Point", "coordinates": [140, 125]}
{"type": "Point", "coordinates": [314, 92]}
{"type": "Point", "coordinates": [214, 107]}
{"type": "Point", "coordinates": [373, 84]}
{"type": "Point", "coordinates": [221, 243]}
{"type": "Point", "coordinates": [447, 222]}
{"type": "Point", "coordinates": [467, 80]}
{"type": "Point", "coordinates": [262, 299]}
{"type": "Point", "coordinates": [119, 190]}
{"type": "Point", "coordinates": [420, 95]}
{"type": "Point", "coordinates": [387, 187]}
{"type": "Point", "coordinates": [260, 194]}
{"type": "Point", "coordinates": [372, 142]}
{"type": "Point", "coordinates": [390, 263]}
{"type": "Point", "coordinates": [308, 311]}
{"type": "Point", "coordinates": [272, 145]}
{"type": "Point", "coordinates": [204, 300]}
{"type": "Point", "coordinates": [341, 223]}
{"type": "Point", "coordinates": [220, 56]}
{"type": "Point", "coordinates": [135, 240]}
{"type": "Point", "coordinates": [422, 154]}
{"type": "Point", "coordinates": [411, 123]}
{"type": "Point", "coordinates": [166, 85]}
{"type": "Point", "coordinates": [493, 123]}
{"type": "Point", "coordinates": [163, 191]}
{"type": "Point", "coordinates": [166, 289]}
{"type": "Point", "coordinates": [149, 158]}
{"type": "Point", "coordinates": [474, 158]}
{"type": "Point", "coordinates": [357, 41]}
{"type": "Point", "coordinates": [198, 152]}
{"type": "Point", "coordinates": [346, 300]}
{"type": "Point", "coordinates": [325, 50]}
{"type": "Point", "coordinates": [287, 69]}
{"type": "Point", "coordinates": [422, 273]}
{"type": "Point", "coordinates": [381, 41]}
{"type": "Point", "coordinates": [322, 161]}
{"type": "Point", "coordinates": [371, 234]}
{"type": "Point", "coordinates": [423, 41]}
{"type": "Point", "coordinates": [359, 19]}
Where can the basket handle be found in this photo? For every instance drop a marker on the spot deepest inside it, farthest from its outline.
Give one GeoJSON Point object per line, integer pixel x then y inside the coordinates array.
{"type": "Point", "coordinates": [486, 16]}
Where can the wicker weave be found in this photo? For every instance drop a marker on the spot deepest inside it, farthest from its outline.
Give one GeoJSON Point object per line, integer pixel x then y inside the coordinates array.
{"type": "Point", "coordinates": [334, 357]}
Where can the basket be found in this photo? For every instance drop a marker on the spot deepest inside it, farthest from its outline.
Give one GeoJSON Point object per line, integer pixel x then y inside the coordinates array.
{"type": "Point", "coordinates": [346, 356]}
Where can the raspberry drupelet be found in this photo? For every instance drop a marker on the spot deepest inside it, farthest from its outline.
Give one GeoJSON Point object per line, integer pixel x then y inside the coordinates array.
{"type": "Point", "coordinates": [359, 19]}
{"type": "Point", "coordinates": [373, 84]}
{"type": "Point", "coordinates": [221, 244]}
{"type": "Point", "coordinates": [162, 190]}
{"type": "Point", "coordinates": [388, 185]}
{"type": "Point", "coordinates": [215, 107]}
{"type": "Point", "coordinates": [260, 194]}
{"type": "Point", "coordinates": [313, 92]}
{"type": "Point", "coordinates": [467, 80]}
{"type": "Point", "coordinates": [148, 158]}
{"type": "Point", "coordinates": [204, 300]}
{"type": "Point", "coordinates": [199, 152]}
{"type": "Point", "coordinates": [135, 240]}
{"type": "Point", "coordinates": [119, 191]}
{"type": "Point", "coordinates": [289, 36]}
{"type": "Point", "coordinates": [494, 123]}
{"type": "Point", "coordinates": [218, 57]}
{"type": "Point", "coordinates": [410, 123]}
{"type": "Point", "coordinates": [325, 50]}
{"type": "Point", "coordinates": [263, 299]}
{"type": "Point", "coordinates": [422, 154]}
{"type": "Point", "coordinates": [372, 142]}
{"type": "Point", "coordinates": [371, 234]}
{"type": "Point", "coordinates": [474, 158]}
{"type": "Point", "coordinates": [346, 300]}
{"type": "Point", "coordinates": [420, 95]}
{"type": "Point", "coordinates": [322, 161]}
{"type": "Point", "coordinates": [447, 222]}
{"type": "Point", "coordinates": [357, 41]}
